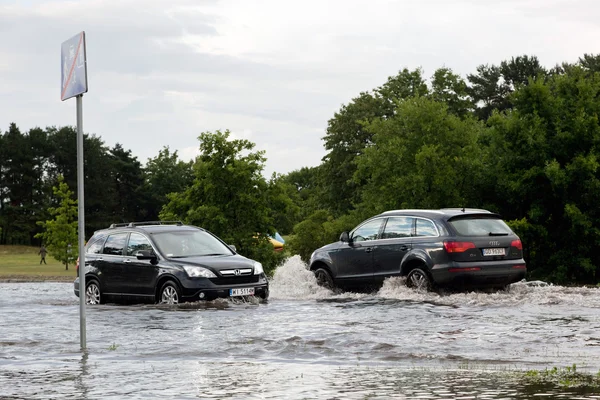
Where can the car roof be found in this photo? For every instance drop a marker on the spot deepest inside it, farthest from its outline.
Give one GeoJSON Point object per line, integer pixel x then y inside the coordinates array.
{"type": "Point", "coordinates": [149, 226]}
{"type": "Point", "coordinates": [444, 213]}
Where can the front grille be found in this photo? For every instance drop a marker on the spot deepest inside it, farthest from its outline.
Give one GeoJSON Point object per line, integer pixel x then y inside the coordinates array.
{"type": "Point", "coordinates": [235, 280]}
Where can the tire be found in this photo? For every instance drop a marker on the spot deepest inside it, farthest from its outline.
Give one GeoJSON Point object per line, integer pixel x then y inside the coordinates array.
{"type": "Point", "coordinates": [169, 293]}
{"type": "Point", "coordinates": [419, 280]}
{"type": "Point", "coordinates": [93, 295]}
{"type": "Point", "coordinates": [324, 278]}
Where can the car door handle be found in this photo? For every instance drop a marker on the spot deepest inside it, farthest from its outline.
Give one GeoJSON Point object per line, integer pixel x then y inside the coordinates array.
{"type": "Point", "coordinates": [404, 248]}
{"type": "Point", "coordinates": [127, 261]}
{"type": "Point", "coordinates": [368, 249]}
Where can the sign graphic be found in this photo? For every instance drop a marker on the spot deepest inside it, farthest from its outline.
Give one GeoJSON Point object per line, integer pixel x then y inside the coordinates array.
{"type": "Point", "coordinates": [73, 67]}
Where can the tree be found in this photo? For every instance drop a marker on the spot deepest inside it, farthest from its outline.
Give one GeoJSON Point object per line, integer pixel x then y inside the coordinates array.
{"type": "Point", "coordinates": [127, 179]}
{"type": "Point", "coordinates": [100, 192]}
{"type": "Point", "coordinates": [19, 181]}
{"type": "Point", "coordinates": [488, 91]}
{"type": "Point", "coordinates": [547, 164]}
{"type": "Point", "coordinates": [451, 89]}
{"type": "Point", "coordinates": [346, 137]}
{"type": "Point", "coordinates": [165, 174]}
{"type": "Point", "coordinates": [423, 157]}
{"type": "Point", "coordinates": [60, 233]}
{"type": "Point", "coordinates": [229, 196]}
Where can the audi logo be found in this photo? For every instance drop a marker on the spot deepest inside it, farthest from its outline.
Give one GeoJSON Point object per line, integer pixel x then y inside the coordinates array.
{"type": "Point", "coordinates": [237, 272]}
{"type": "Point", "coordinates": [494, 243]}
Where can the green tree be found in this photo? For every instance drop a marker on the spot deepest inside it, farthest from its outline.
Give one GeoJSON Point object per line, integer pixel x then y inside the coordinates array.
{"type": "Point", "coordinates": [60, 233]}
{"type": "Point", "coordinates": [346, 136]}
{"type": "Point", "coordinates": [165, 174]}
{"type": "Point", "coordinates": [127, 178]}
{"type": "Point", "coordinates": [229, 196]}
{"type": "Point", "coordinates": [423, 157]}
{"type": "Point", "coordinates": [546, 159]}
{"type": "Point", "coordinates": [450, 89]}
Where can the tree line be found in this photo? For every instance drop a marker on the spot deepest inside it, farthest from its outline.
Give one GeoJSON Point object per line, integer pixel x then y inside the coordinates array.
{"type": "Point", "coordinates": [515, 138]}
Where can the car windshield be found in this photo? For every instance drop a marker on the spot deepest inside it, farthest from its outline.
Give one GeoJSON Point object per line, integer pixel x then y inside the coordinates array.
{"type": "Point", "coordinates": [480, 227]}
{"type": "Point", "coordinates": [190, 243]}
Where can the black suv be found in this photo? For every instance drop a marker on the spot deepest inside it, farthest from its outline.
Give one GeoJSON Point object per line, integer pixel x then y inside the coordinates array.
{"type": "Point", "coordinates": [456, 248]}
{"type": "Point", "coordinates": [166, 262]}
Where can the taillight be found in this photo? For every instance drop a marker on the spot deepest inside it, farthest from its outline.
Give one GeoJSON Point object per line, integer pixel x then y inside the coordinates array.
{"type": "Point", "coordinates": [517, 243]}
{"type": "Point", "coordinates": [458, 247]}
{"type": "Point", "coordinates": [77, 266]}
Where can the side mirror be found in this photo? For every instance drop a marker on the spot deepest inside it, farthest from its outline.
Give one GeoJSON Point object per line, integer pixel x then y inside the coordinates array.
{"type": "Point", "coordinates": [147, 255]}
{"type": "Point", "coordinates": [344, 237]}
{"type": "Point", "coordinates": [232, 247]}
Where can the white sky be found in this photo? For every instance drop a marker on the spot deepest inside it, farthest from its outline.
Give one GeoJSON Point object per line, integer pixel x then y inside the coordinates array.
{"type": "Point", "coordinates": [271, 71]}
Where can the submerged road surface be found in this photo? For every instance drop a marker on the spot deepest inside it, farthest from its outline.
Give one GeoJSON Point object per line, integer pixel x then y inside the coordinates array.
{"type": "Point", "coordinates": [305, 342]}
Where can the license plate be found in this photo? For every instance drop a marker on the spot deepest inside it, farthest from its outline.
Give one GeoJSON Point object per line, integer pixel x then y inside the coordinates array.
{"type": "Point", "coordinates": [242, 292]}
{"type": "Point", "coordinates": [496, 251]}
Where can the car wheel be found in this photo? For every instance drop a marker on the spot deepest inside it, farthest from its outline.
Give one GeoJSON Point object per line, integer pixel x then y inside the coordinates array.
{"type": "Point", "coordinates": [324, 278]}
{"type": "Point", "coordinates": [169, 293]}
{"type": "Point", "coordinates": [93, 295]}
{"type": "Point", "coordinates": [418, 279]}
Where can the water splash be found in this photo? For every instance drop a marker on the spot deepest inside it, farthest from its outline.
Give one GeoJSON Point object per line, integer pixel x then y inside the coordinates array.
{"type": "Point", "coordinates": [293, 281]}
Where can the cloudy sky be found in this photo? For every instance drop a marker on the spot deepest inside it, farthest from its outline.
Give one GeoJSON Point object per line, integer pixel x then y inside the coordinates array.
{"type": "Point", "coordinates": [271, 71]}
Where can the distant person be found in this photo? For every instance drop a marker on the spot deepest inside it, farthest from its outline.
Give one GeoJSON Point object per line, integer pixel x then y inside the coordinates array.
{"type": "Point", "coordinates": [42, 254]}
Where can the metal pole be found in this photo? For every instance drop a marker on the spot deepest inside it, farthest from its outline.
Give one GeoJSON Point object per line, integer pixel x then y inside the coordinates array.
{"type": "Point", "coordinates": [81, 225]}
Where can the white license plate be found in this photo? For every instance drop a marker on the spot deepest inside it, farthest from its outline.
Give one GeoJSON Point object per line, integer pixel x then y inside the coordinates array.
{"type": "Point", "coordinates": [242, 292]}
{"type": "Point", "coordinates": [496, 251]}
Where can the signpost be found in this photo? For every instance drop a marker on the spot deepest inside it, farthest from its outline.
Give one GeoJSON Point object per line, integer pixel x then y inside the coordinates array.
{"type": "Point", "coordinates": [74, 84]}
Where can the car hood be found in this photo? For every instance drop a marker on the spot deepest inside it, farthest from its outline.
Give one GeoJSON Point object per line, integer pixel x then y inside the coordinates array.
{"type": "Point", "coordinates": [330, 246]}
{"type": "Point", "coordinates": [218, 263]}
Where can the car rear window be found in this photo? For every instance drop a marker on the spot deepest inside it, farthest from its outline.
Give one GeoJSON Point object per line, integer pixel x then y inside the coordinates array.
{"type": "Point", "coordinates": [480, 227]}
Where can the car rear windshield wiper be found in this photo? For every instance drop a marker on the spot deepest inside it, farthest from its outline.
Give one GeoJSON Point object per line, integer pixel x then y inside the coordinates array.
{"type": "Point", "coordinates": [498, 234]}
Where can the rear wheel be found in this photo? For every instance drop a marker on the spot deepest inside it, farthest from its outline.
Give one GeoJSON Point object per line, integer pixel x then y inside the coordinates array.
{"type": "Point", "coordinates": [169, 293]}
{"type": "Point", "coordinates": [324, 278]}
{"type": "Point", "coordinates": [93, 295]}
{"type": "Point", "coordinates": [418, 279]}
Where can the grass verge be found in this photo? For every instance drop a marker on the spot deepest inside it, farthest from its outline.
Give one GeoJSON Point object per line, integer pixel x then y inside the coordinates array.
{"type": "Point", "coordinates": [22, 263]}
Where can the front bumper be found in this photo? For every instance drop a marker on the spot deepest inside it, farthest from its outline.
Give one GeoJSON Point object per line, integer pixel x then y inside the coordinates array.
{"type": "Point", "coordinates": [195, 289]}
{"type": "Point", "coordinates": [490, 273]}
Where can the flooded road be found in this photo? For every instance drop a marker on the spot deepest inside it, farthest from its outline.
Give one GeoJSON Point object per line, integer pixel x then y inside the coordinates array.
{"type": "Point", "coordinates": [305, 342]}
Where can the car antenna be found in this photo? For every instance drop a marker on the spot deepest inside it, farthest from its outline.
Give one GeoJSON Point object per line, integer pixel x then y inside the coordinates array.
{"type": "Point", "coordinates": [463, 209]}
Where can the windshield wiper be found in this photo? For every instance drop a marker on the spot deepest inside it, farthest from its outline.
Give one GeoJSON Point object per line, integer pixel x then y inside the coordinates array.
{"type": "Point", "coordinates": [498, 234]}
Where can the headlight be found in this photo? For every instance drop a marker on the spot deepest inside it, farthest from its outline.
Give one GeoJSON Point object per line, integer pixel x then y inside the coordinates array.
{"type": "Point", "coordinates": [258, 269]}
{"type": "Point", "coordinates": [198, 272]}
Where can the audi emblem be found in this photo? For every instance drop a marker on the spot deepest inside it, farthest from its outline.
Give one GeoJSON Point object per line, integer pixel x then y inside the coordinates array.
{"type": "Point", "coordinates": [494, 243]}
{"type": "Point", "coordinates": [236, 272]}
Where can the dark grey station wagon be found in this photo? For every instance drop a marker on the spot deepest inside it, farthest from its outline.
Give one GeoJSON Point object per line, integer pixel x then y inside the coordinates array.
{"type": "Point", "coordinates": [456, 248]}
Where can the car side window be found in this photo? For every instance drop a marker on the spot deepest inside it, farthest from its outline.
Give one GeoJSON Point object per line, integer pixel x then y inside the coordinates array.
{"type": "Point", "coordinates": [426, 227]}
{"type": "Point", "coordinates": [136, 243]}
{"type": "Point", "coordinates": [398, 227]}
{"type": "Point", "coordinates": [367, 231]}
{"type": "Point", "coordinates": [114, 244]}
{"type": "Point", "coordinates": [95, 247]}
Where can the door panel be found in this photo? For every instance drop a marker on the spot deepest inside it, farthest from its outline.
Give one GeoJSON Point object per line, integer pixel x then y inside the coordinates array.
{"type": "Point", "coordinates": [140, 275]}
{"type": "Point", "coordinates": [355, 259]}
{"type": "Point", "coordinates": [395, 242]}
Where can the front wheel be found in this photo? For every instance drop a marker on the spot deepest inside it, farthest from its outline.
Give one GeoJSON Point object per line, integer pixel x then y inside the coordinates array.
{"type": "Point", "coordinates": [93, 295]}
{"type": "Point", "coordinates": [418, 279]}
{"type": "Point", "coordinates": [169, 293]}
{"type": "Point", "coordinates": [324, 278]}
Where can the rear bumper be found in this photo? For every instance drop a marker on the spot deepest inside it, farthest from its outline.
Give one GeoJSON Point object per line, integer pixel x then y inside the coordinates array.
{"type": "Point", "coordinates": [473, 274]}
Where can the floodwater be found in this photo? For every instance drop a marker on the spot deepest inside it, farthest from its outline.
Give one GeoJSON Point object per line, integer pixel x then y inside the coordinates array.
{"type": "Point", "coordinates": [304, 343]}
